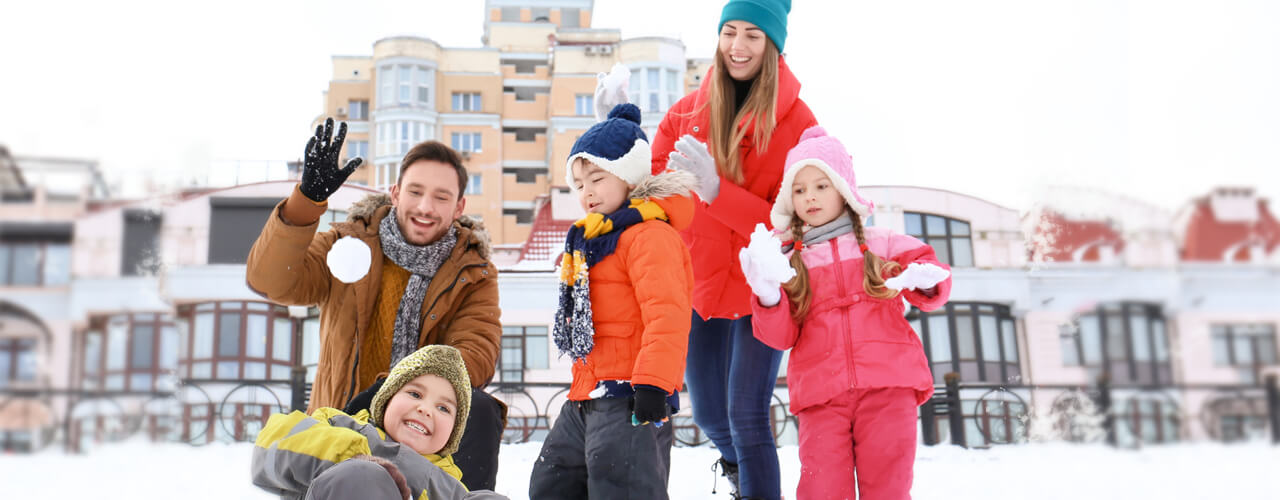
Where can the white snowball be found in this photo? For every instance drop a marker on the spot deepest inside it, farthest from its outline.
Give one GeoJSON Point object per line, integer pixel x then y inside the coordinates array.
{"type": "Point", "coordinates": [348, 259]}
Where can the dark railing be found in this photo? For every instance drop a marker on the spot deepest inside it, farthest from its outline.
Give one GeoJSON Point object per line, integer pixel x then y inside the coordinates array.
{"type": "Point", "coordinates": [198, 412]}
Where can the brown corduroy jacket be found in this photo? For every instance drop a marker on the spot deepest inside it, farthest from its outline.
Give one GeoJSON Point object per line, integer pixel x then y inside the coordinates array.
{"type": "Point", "coordinates": [287, 265]}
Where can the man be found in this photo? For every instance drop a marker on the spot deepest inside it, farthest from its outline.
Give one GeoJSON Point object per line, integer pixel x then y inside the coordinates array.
{"type": "Point", "coordinates": [430, 282]}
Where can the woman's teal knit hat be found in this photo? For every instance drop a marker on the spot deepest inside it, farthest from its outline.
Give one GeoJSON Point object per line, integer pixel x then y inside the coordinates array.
{"type": "Point", "coordinates": [769, 15]}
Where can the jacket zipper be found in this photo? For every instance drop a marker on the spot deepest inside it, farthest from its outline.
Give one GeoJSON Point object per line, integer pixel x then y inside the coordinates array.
{"type": "Point", "coordinates": [844, 313]}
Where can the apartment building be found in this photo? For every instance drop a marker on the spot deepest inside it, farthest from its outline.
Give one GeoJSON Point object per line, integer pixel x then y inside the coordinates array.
{"type": "Point", "coordinates": [513, 106]}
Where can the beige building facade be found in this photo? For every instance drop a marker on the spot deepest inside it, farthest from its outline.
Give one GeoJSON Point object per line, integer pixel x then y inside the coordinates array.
{"type": "Point", "coordinates": [514, 106]}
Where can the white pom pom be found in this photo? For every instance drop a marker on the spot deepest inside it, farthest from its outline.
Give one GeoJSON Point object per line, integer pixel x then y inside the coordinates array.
{"type": "Point", "coordinates": [348, 259]}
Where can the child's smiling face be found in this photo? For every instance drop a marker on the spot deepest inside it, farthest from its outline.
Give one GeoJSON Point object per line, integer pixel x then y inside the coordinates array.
{"type": "Point", "coordinates": [421, 414]}
{"type": "Point", "coordinates": [815, 198]}
{"type": "Point", "coordinates": [599, 191]}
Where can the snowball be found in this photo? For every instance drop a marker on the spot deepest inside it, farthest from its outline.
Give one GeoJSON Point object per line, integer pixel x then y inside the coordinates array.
{"type": "Point", "coordinates": [348, 259]}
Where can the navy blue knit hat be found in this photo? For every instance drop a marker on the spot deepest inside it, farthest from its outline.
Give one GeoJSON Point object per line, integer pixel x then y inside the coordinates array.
{"type": "Point", "coordinates": [769, 15]}
{"type": "Point", "coordinates": [618, 145]}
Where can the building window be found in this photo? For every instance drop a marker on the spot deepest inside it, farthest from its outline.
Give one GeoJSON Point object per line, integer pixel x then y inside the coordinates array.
{"type": "Point", "coordinates": [423, 84]}
{"type": "Point", "coordinates": [357, 110]}
{"type": "Point", "coordinates": [510, 14]}
{"type": "Point", "coordinates": [236, 341]}
{"type": "Point", "coordinates": [584, 104]}
{"type": "Point", "coordinates": [525, 175]}
{"type": "Point", "coordinates": [474, 185]}
{"type": "Point", "coordinates": [234, 224]}
{"type": "Point", "coordinates": [130, 352]}
{"type": "Point", "coordinates": [523, 94]}
{"type": "Point", "coordinates": [34, 262]}
{"type": "Point", "coordinates": [467, 102]}
{"type": "Point", "coordinates": [523, 348]}
{"type": "Point", "coordinates": [385, 175]}
{"type": "Point", "coordinates": [1247, 347]}
{"type": "Point", "coordinates": [405, 85]}
{"type": "Point", "coordinates": [541, 14]}
{"type": "Point", "coordinates": [357, 149]}
{"type": "Point", "coordinates": [522, 215]}
{"type": "Point", "coordinates": [17, 361]}
{"type": "Point", "coordinates": [976, 340]}
{"type": "Point", "coordinates": [950, 238]}
{"type": "Point", "coordinates": [523, 134]}
{"type": "Point", "coordinates": [654, 89]}
{"type": "Point", "coordinates": [1149, 419]}
{"type": "Point", "coordinates": [1125, 340]}
{"type": "Point", "coordinates": [999, 418]}
{"type": "Point", "coordinates": [141, 252]}
{"type": "Point", "coordinates": [570, 17]}
{"type": "Point", "coordinates": [466, 141]}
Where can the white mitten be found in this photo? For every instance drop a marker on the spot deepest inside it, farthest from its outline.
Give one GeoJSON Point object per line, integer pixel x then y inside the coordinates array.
{"type": "Point", "coordinates": [765, 267]}
{"type": "Point", "coordinates": [692, 156]}
{"type": "Point", "coordinates": [918, 276]}
{"type": "Point", "coordinates": [611, 90]}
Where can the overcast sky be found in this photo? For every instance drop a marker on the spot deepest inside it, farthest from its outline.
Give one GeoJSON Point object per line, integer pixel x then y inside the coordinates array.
{"type": "Point", "coordinates": [1156, 100]}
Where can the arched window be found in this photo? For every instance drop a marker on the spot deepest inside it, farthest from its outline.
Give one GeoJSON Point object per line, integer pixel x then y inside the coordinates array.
{"type": "Point", "coordinates": [950, 238]}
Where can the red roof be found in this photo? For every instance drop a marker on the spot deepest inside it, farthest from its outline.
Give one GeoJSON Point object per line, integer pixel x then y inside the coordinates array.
{"type": "Point", "coordinates": [1209, 238]}
{"type": "Point", "coordinates": [546, 240]}
{"type": "Point", "coordinates": [1064, 237]}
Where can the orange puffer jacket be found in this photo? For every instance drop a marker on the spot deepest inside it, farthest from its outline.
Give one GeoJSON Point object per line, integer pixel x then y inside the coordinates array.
{"type": "Point", "coordinates": [640, 298]}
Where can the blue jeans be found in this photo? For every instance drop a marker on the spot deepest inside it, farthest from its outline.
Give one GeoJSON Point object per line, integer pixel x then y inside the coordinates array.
{"type": "Point", "coordinates": [731, 376]}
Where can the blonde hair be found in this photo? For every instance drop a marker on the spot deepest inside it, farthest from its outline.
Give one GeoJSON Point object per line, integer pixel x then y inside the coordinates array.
{"type": "Point", "coordinates": [873, 270]}
{"type": "Point", "coordinates": [724, 134]}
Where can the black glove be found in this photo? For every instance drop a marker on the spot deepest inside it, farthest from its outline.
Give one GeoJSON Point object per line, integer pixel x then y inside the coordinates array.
{"type": "Point", "coordinates": [320, 173]}
{"type": "Point", "coordinates": [363, 400]}
{"type": "Point", "coordinates": [649, 405]}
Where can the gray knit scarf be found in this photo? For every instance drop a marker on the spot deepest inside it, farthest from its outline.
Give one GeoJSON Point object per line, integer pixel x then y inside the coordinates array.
{"type": "Point", "coordinates": [422, 262]}
{"type": "Point", "coordinates": [841, 226]}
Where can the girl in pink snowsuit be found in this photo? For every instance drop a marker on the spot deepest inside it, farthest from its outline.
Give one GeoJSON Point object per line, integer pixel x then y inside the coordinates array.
{"type": "Point", "coordinates": [857, 370]}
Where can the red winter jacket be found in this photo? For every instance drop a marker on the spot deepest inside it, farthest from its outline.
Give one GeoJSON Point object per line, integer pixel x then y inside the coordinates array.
{"type": "Point", "coordinates": [720, 229]}
{"type": "Point", "coordinates": [849, 340]}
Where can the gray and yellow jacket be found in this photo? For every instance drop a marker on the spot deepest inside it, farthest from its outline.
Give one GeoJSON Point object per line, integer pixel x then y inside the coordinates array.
{"type": "Point", "coordinates": [295, 448]}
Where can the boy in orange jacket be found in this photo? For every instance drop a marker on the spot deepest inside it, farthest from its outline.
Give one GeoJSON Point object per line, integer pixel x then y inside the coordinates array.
{"type": "Point", "coordinates": [625, 287]}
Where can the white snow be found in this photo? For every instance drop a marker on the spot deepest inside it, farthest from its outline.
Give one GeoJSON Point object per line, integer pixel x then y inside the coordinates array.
{"type": "Point", "coordinates": [145, 471]}
{"type": "Point", "coordinates": [349, 259]}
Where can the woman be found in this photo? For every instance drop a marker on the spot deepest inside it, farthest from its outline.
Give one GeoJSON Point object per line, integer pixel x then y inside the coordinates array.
{"type": "Point", "coordinates": [749, 112]}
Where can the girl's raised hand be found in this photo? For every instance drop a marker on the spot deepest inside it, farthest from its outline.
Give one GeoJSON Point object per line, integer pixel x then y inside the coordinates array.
{"type": "Point", "coordinates": [765, 267]}
{"type": "Point", "coordinates": [918, 276]}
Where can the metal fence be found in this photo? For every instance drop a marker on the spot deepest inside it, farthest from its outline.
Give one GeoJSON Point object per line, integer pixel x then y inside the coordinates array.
{"type": "Point", "coordinates": [199, 412]}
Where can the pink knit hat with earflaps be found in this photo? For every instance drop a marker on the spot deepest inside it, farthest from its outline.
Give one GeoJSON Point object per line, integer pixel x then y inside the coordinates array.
{"type": "Point", "coordinates": [818, 149]}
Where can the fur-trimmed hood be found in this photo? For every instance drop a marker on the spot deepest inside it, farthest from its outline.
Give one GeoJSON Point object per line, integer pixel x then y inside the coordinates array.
{"type": "Point", "coordinates": [672, 190]}
{"type": "Point", "coordinates": [369, 211]}
{"type": "Point", "coordinates": [670, 182]}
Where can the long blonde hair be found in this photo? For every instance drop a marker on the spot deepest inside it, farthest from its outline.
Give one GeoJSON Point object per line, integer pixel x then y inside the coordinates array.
{"type": "Point", "coordinates": [873, 270]}
{"type": "Point", "coordinates": [724, 134]}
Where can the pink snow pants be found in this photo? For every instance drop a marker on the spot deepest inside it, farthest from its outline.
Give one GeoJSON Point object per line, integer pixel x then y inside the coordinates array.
{"type": "Point", "coordinates": [872, 431]}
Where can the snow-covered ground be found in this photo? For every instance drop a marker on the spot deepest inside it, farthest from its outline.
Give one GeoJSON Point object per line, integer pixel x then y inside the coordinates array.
{"type": "Point", "coordinates": [140, 470]}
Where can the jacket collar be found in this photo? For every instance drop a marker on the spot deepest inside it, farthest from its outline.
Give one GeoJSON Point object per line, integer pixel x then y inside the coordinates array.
{"type": "Point", "coordinates": [788, 94]}
{"type": "Point", "coordinates": [364, 216]}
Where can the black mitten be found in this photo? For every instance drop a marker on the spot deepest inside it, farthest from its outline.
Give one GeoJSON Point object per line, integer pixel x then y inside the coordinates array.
{"type": "Point", "coordinates": [650, 404]}
{"type": "Point", "coordinates": [320, 173]}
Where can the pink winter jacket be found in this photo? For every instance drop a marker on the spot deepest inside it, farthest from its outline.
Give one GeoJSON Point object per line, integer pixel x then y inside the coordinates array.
{"type": "Point", "coordinates": [848, 339]}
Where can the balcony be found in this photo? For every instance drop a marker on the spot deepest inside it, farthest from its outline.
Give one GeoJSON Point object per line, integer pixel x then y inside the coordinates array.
{"type": "Point", "coordinates": [513, 149]}
{"type": "Point", "coordinates": [515, 109]}
{"type": "Point", "coordinates": [513, 189]}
